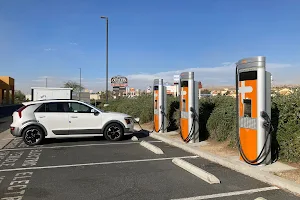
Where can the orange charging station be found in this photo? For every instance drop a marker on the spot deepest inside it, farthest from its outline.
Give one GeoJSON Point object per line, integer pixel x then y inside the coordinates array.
{"type": "Point", "coordinates": [160, 106]}
{"type": "Point", "coordinates": [253, 105]}
{"type": "Point", "coordinates": [189, 108]}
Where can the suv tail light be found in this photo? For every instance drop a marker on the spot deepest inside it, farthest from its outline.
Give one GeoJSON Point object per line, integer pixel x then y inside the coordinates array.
{"type": "Point", "coordinates": [20, 110]}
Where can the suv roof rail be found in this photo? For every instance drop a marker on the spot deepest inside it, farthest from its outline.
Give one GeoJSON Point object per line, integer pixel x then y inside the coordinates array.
{"type": "Point", "coordinates": [54, 99]}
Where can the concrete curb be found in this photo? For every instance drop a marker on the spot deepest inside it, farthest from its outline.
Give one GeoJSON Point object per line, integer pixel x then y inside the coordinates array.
{"type": "Point", "coordinates": [200, 173]}
{"type": "Point", "coordinates": [260, 175]}
{"type": "Point", "coordinates": [134, 138]}
{"type": "Point", "coordinates": [151, 147]}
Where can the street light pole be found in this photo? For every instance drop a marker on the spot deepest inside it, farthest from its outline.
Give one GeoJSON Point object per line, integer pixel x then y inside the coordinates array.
{"type": "Point", "coordinates": [79, 84]}
{"type": "Point", "coordinates": [106, 18]}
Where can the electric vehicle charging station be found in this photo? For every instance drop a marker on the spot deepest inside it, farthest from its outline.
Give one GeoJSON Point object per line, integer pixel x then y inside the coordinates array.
{"type": "Point", "coordinates": [189, 108]}
{"type": "Point", "coordinates": [160, 106]}
{"type": "Point", "coordinates": [253, 105]}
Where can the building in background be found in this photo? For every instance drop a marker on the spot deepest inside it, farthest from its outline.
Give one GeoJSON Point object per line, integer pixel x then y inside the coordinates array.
{"type": "Point", "coordinates": [131, 92]}
{"type": "Point", "coordinates": [199, 89]}
{"type": "Point", "coordinates": [95, 96]}
{"type": "Point", "coordinates": [149, 90]}
{"type": "Point", "coordinates": [171, 90]}
{"type": "Point", "coordinates": [7, 90]}
{"type": "Point", "coordinates": [138, 92]}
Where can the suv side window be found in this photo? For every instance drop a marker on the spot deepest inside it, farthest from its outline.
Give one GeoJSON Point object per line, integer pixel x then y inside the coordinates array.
{"type": "Point", "coordinates": [79, 108]}
{"type": "Point", "coordinates": [54, 107]}
{"type": "Point", "coordinates": [42, 108]}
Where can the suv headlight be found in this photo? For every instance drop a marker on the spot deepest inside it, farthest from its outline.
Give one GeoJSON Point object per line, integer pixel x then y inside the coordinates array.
{"type": "Point", "coordinates": [128, 120]}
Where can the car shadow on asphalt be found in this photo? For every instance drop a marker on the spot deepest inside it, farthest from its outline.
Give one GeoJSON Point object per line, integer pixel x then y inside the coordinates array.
{"type": "Point", "coordinates": [141, 133]}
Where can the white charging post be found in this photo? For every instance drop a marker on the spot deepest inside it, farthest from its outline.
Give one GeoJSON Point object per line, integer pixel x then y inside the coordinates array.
{"type": "Point", "coordinates": [189, 108]}
{"type": "Point", "coordinates": [160, 106]}
{"type": "Point", "coordinates": [253, 84]}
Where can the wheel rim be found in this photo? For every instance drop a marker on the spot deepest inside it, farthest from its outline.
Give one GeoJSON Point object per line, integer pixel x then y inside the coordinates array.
{"type": "Point", "coordinates": [114, 132]}
{"type": "Point", "coordinates": [32, 136]}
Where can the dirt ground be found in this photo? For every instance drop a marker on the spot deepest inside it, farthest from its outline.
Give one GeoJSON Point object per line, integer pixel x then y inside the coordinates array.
{"type": "Point", "coordinates": [222, 149]}
{"type": "Point", "coordinates": [293, 175]}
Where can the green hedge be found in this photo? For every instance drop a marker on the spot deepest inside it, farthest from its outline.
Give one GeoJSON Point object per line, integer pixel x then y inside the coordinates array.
{"type": "Point", "coordinates": [217, 119]}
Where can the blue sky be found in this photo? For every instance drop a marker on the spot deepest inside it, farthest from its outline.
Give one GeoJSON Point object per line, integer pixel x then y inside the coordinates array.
{"type": "Point", "coordinates": [147, 39]}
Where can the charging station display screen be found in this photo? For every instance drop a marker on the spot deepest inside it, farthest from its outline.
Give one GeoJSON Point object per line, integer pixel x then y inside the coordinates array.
{"type": "Point", "coordinates": [184, 83]}
{"type": "Point", "coordinates": [247, 107]}
{"type": "Point", "coordinates": [155, 87]}
{"type": "Point", "coordinates": [251, 75]}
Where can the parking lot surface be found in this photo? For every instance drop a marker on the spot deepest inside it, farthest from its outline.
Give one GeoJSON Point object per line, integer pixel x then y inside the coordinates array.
{"type": "Point", "coordinates": [98, 169]}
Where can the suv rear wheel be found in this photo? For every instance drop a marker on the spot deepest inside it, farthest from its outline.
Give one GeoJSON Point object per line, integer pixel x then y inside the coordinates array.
{"type": "Point", "coordinates": [114, 132]}
{"type": "Point", "coordinates": [33, 135]}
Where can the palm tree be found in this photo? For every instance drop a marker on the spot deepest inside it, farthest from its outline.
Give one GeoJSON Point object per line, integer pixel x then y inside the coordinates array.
{"type": "Point", "coordinates": [73, 84]}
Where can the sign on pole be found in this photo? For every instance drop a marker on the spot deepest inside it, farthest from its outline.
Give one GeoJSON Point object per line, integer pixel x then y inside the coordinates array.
{"type": "Point", "coordinates": [119, 81]}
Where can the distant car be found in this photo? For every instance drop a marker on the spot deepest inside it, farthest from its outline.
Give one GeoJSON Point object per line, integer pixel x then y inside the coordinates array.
{"type": "Point", "coordinates": [37, 120]}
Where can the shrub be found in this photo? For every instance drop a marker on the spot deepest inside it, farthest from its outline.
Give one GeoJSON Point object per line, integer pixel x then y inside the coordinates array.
{"type": "Point", "coordinates": [206, 106]}
{"type": "Point", "coordinates": [221, 124]}
{"type": "Point", "coordinates": [140, 106]}
{"type": "Point", "coordinates": [287, 126]}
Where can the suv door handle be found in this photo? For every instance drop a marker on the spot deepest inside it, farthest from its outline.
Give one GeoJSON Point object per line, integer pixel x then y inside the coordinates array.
{"type": "Point", "coordinates": [42, 116]}
{"type": "Point", "coordinates": [74, 117]}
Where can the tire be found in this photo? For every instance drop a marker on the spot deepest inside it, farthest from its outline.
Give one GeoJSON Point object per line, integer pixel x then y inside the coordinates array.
{"type": "Point", "coordinates": [114, 132]}
{"type": "Point", "coordinates": [33, 135]}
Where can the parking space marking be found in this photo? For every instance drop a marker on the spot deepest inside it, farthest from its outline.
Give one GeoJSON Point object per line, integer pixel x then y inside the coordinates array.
{"type": "Point", "coordinates": [17, 186]}
{"type": "Point", "coordinates": [92, 164]}
{"type": "Point", "coordinates": [77, 145]}
{"type": "Point", "coordinates": [228, 194]}
{"type": "Point", "coordinates": [7, 139]}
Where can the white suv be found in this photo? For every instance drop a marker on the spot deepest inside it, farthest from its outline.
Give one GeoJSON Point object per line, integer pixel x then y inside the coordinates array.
{"type": "Point", "coordinates": [37, 120]}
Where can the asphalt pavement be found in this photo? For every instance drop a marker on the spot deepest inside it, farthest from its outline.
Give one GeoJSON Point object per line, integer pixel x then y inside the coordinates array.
{"type": "Point", "coordinates": [73, 169]}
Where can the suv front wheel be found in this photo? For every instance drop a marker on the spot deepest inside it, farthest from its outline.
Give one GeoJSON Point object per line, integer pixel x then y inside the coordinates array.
{"type": "Point", "coordinates": [33, 135]}
{"type": "Point", "coordinates": [114, 132]}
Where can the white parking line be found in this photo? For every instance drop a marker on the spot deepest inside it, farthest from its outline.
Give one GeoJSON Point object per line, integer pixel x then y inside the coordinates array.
{"type": "Point", "coordinates": [228, 194]}
{"type": "Point", "coordinates": [7, 138]}
{"type": "Point", "coordinates": [92, 164]}
{"type": "Point", "coordinates": [77, 145]}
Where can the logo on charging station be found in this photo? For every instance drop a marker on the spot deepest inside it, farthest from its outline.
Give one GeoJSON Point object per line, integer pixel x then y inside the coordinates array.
{"type": "Point", "coordinates": [243, 90]}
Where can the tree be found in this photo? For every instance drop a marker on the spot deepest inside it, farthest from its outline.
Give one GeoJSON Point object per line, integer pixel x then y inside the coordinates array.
{"type": "Point", "coordinates": [72, 84]}
{"type": "Point", "coordinates": [205, 91]}
{"type": "Point", "coordinates": [19, 97]}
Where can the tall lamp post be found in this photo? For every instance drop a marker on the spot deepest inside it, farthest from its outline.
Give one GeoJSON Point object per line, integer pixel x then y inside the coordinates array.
{"type": "Point", "coordinates": [106, 18]}
{"type": "Point", "coordinates": [79, 84]}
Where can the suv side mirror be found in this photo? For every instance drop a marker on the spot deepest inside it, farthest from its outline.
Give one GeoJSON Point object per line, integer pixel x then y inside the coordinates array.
{"type": "Point", "coordinates": [94, 111]}
{"type": "Point", "coordinates": [137, 119]}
